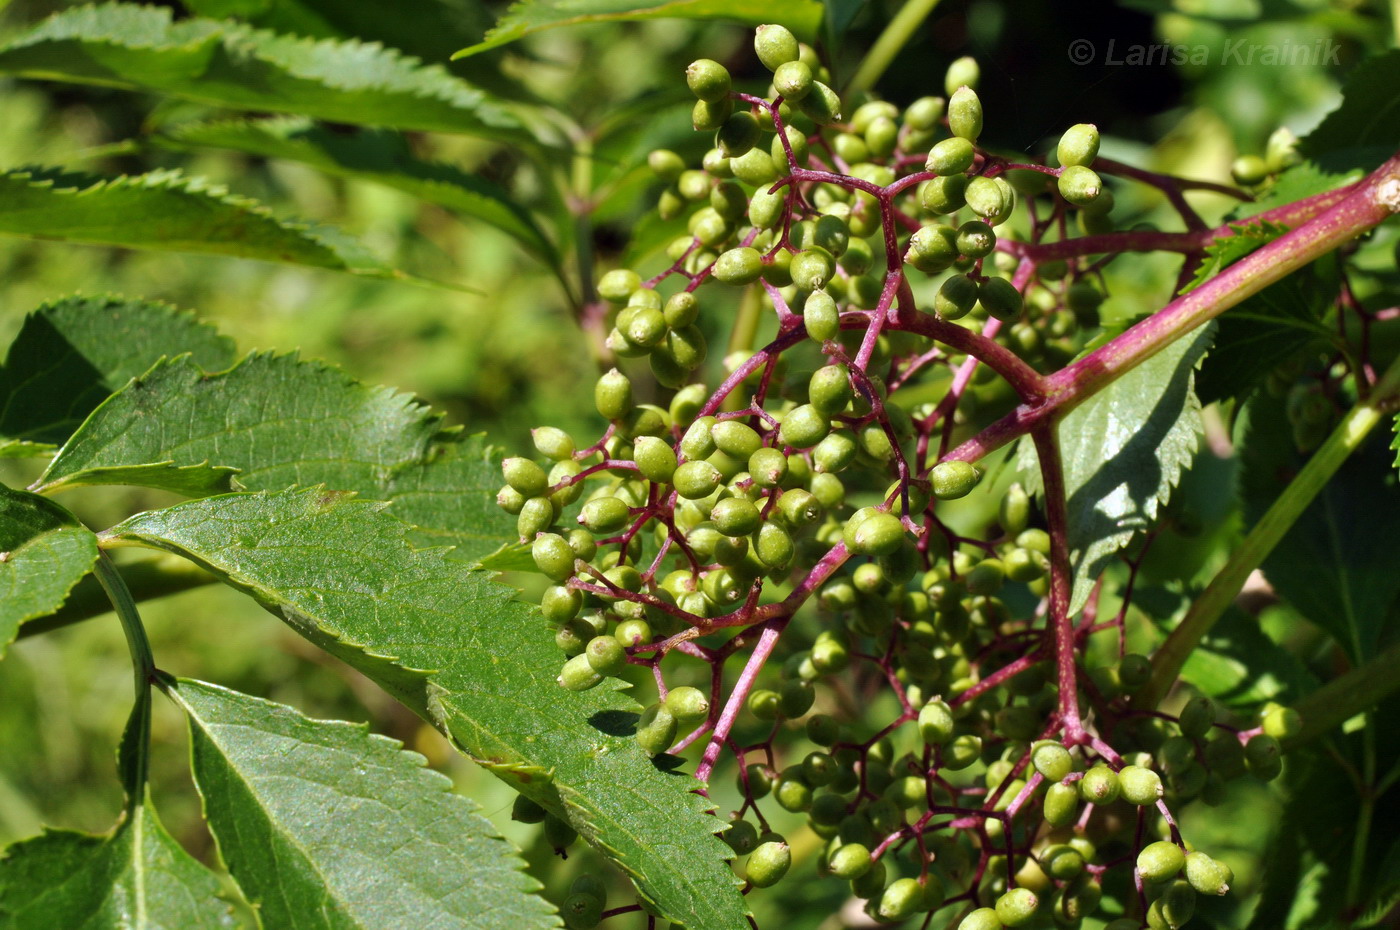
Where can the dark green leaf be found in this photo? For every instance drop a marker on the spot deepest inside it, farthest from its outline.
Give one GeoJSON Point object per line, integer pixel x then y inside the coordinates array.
{"type": "Point", "coordinates": [530, 16]}
{"type": "Point", "coordinates": [1123, 451]}
{"type": "Point", "coordinates": [135, 877]}
{"type": "Point", "coordinates": [277, 421]}
{"type": "Point", "coordinates": [1268, 329]}
{"type": "Point", "coordinates": [378, 156]}
{"type": "Point", "coordinates": [69, 355]}
{"type": "Point", "coordinates": [341, 572]}
{"type": "Point", "coordinates": [1330, 565]}
{"type": "Point", "coordinates": [324, 824]}
{"type": "Point", "coordinates": [1363, 131]}
{"type": "Point", "coordinates": [166, 210]}
{"type": "Point", "coordinates": [839, 16]}
{"type": "Point", "coordinates": [44, 551]}
{"type": "Point", "coordinates": [231, 65]}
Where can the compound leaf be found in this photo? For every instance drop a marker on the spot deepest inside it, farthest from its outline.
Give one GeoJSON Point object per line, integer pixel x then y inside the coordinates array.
{"type": "Point", "coordinates": [457, 649]}
{"type": "Point", "coordinates": [44, 551]}
{"type": "Point", "coordinates": [377, 156]}
{"type": "Point", "coordinates": [324, 824]}
{"type": "Point", "coordinates": [1123, 450]}
{"type": "Point", "coordinates": [531, 16]}
{"type": "Point", "coordinates": [70, 354]}
{"type": "Point", "coordinates": [277, 421]}
{"type": "Point", "coordinates": [169, 211]}
{"type": "Point", "coordinates": [137, 876]}
{"type": "Point", "coordinates": [231, 65]}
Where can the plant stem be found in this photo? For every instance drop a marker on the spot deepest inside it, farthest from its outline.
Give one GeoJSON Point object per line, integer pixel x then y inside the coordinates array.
{"type": "Point", "coordinates": [1343, 698]}
{"type": "Point", "coordinates": [145, 580]}
{"type": "Point", "coordinates": [1276, 521]}
{"type": "Point", "coordinates": [1060, 632]}
{"type": "Point", "coordinates": [134, 757]}
{"type": "Point", "coordinates": [896, 35]}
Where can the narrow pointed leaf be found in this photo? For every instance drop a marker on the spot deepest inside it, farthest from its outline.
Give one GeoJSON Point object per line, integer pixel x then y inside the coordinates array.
{"type": "Point", "coordinates": [135, 877]}
{"type": "Point", "coordinates": [279, 421]}
{"type": "Point", "coordinates": [44, 552]}
{"type": "Point", "coordinates": [530, 16]}
{"type": "Point", "coordinates": [232, 65]}
{"type": "Point", "coordinates": [1123, 451]}
{"type": "Point", "coordinates": [457, 649]}
{"type": "Point", "coordinates": [71, 354]}
{"type": "Point", "coordinates": [168, 211]}
{"type": "Point", "coordinates": [324, 824]}
{"type": "Point", "coordinates": [377, 156]}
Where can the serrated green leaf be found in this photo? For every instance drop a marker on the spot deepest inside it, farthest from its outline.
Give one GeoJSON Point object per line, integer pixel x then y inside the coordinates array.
{"type": "Point", "coordinates": [231, 65]}
{"type": "Point", "coordinates": [1226, 250]}
{"type": "Point", "coordinates": [326, 825]}
{"type": "Point", "coordinates": [530, 16]}
{"type": "Point", "coordinates": [458, 650]}
{"type": "Point", "coordinates": [135, 877]}
{"type": "Point", "coordinates": [168, 211]}
{"type": "Point", "coordinates": [44, 551]}
{"type": "Point", "coordinates": [1362, 132]}
{"type": "Point", "coordinates": [278, 421]}
{"type": "Point", "coordinates": [1267, 329]}
{"type": "Point", "coordinates": [1330, 565]}
{"type": "Point", "coordinates": [70, 354]}
{"type": "Point", "coordinates": [378, 156]}
{"type": "Point", "coordinates": [1123, 450]}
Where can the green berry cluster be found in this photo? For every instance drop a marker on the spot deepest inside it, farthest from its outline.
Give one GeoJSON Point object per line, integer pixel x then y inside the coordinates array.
{"type": "Point", "coordinates": [796, 506]}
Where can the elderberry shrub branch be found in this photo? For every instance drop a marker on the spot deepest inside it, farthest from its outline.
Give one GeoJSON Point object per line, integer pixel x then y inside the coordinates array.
{"type": "Point", "coordinates": [714, 523]}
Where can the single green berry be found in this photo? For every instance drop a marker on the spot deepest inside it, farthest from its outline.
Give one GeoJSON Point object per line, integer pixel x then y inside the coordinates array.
{"type": "Point", "coordinates": [956, 297]}
{"type": "Point", "coordinates": [553, 443]}
{"type": "Point", "coordinates": [524, 810]}
{"type": "Point", "coordinates": [655, 458]}
{"type": "Point", "coordinates": [901, 899]}
{"type": "Point", "coordinates": [774, 546]}
{"type": "Point", "coordinates": [944, 194]}
{"type": "Point", "coordinates": [988, 198]}
{"type": "Point", "coordinates": [829, 389]}
{"type": "Point", "coordinates": [578, 674]}
{"type": "Point", "coordinates": [1079, 145]}
{"type": "Point", "coordinates": [1061, 804]}
{"type": "Point", "coordinates": [1140, 786]}
{"type": "Point", "coordinates": [708, 80]}
{"type": "Point", "coordinates": [1017, 906]}
{"type": "Point", "coordinates": [1263, 757]}
{"type": "Point", "coordinates": [1099, 785]}
{"type": "Point", "coordinates": [735, 516]}
{"type": "Point", "coordinates": [694, 480]}
{"type": "Point", "coordinates": [879, 533]}
{"type": "Point", "coordinates": [1282, 723]}
{"type": "Point", "coordinates": [936, 723]}
{"type": "Point", "coordinates": [931, 249]}
{"type": "Point", "coordinates": [1052, 761]}
{"type": "Point", "coordinates": [1173, 908]}
{"type": "Point", "coordinates": [793, 80]}
{"type": "Point", "coordinates": [775, 45]}
{"type": "Point", "coordinates": [688, 705]}
{"type": "Point", "coordinates": [553, 556]}
{"type": "Point", "coordinates": [792, 793]}
{"type": "Point", "coordinates": [953, 479]}
{"type": "Point", "coordinates": [606, 655]}
{"type": "Point", "coordinates": [1062, 862]}
{"type": "Point", "coordinates": [536, 516]}
{"type": "Point", "coordinates": [617, 285]}
{"type": "Point", "coordinates": [1197, 717]}
{"type": "Point", "coordinates": [737, 135]}
{"type": "Point", "coordinates": [965, 113]}
{"type": "Point", "coordinates": [951, 156]}
{"type": "Point", "coordinates": [984, 918]}
{"type": "Point", "coordinates": [613, 395]}
{"type": "Point", "coordinates": [795, 698]}
{"type": "Point", "coordinates": [735, 438]}
{"type": "Point", "coordinates": [821, 316]}
{"type": "Point", "coordinates": [1160, 861]}
{"type": "Point", "coordinates": [849, 861]}
{"type": "Point", "coordinates": [976, 239]}
{"type": "Point", "coordinates": [741, 837]}
{"type": "Point", "coordinates": [656, 729]}
{"type": "Point", "coordinates": [1134, 671]}
{"type": "Point", "coordinates": [803, 427]}
{"type": "Point", "coordinates": [1207, 875]}
{"type": "Point", "coordinates": [821, 105]}
{"type": "Point", "coordinates": [1249, 170]}
{"type": "Point", "coordinates": [525, 476]}
{"type": "Point", "coordinates": [1000, 299]}
{"type": "Point", "coordinates": [962, 752]}
{"type": "Point", "coordinates": [581, 911]}
{"type": "Point", "coordinates": [768, 864]}
{"type": "Point", "coordinates": [604, 515]}
{"type": "Point", "coordinates": [924, 113]}
{"type": "Point", "coordinates": [738, 266]}
{"type": "Point", "coordinates": [812, 268]}
{"type": "Point", "coordinates": [1079, 185]}
{"type": "Point", "coordinates": [962, 71]}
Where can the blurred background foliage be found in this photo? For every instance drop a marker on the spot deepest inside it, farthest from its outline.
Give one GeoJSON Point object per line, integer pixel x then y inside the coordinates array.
{"type": "Point", "coordinates": [509, 355]}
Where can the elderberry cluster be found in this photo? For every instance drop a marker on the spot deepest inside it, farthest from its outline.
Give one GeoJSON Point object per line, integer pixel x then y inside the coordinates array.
{"type": "Point", "coordinates": [792, 512]}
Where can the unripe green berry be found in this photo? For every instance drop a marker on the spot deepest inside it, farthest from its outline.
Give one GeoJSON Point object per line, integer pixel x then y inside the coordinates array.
{"type": "Point", "coordinates": [1000, 299]}
{"type": "Point", "coordinates": [953, 479]}
{"type": "Point", "coordinates": [956, 297]}
{"type": "Point", "coordinates": [581, 911]}
{"type": "Point", "coordinates": [604, 515]}
{"type": "Point", "coordinates": [795, 699]}
{"type": "Point", "coordinates": [739, 266]}
{"type": "Point", "coordinates": [709, 115]}
{"type": "Point", "coordinates": [775, 45]}
{"type": "Point", "coordinates": [735, 438]}
{"type": "Point", "coordinates": [812, 268]}
{"type": "Point", "coordinates": [688, 705]}
{"type": "Point", "coordinates": [1061, 804]}
{"type": "Point", "coordinates": [735, 516]}
{"type": "Point", "coordinates": [984, 918]}
{"type": "Point", "coordinates": [613, 395]}
{"type": "Point", "coordinates": [741, 837]}
{"type": "Point", "coordinates": [1062, 862]}
{"type": "Point", "coordinates": [924, 113]}
{"type": "Point", "coordinates": [1173, 908]}
{"type": "Point", "coordinates": [536, 515]}
{"type": "Point", "coordinates": [665, 164]}
{"type": "Point", "coordinates": [850, 861]}
{"type": "Point", "coordinates": [803, 427]}
{"type": "Point", "coordinates": [525, 476]}
{"type": "Point", "coordinates": [1207, 875]}
{"type": "Point", "coordinates": [792, 793]}
{"type": "Point", "coordinates": [1079, 185]}
{"type": "Point", "coordinates": [578, 674]}
{"type": "Point", "coordinates": [694, 480]}
{"type": "Point", "coordinates": [1099, 785]}
{"type": "Point", "coordinates": [936, 723]}
{"type": "Point", "coordinates": [821, 105]}
{"type": "Point", "coordinates": [965, 113]}
{"type": "Point", "coordinates": [656, 730]}
{"type": "Point", "coordinates": [976, 239]}
{"type": "Point", "coordinates": [1017, 906]}
{"type": "Point", "coordinates": [1263, 757]}
{"type": "Point", "coordinates": [1079, 145]}
{"type": "Point", "coordinates": [829, 389]}
{"type": "Point", "coordinates": [1197, 717]}
{"type": "Point", "coordinates": [768, 864]}
{"type": "Point", "coordinates": [553, 443]}
{"type": "Point", "coordinates": [1134, 671]}
{"type": "Point", "coordinates": [708, 80]}
{"type": "Point", "coordinates": [606, 656]}
{"type": "Point", "coordinates": [901, 899]}
{"type": "Point", "coordinates": [617, 285]}
{"type": "Point", "coordinates": [1160, 861]}
{"type": "Point", "coordinates": [951, 156]}
{"type": "Point", "coordinates": [738, 134]}
{"type": "Point", "coordinates": [962, 751]}
{"type": "Point", "coordinates": [1140, 786]}
{"type": "Point", "coordinates": [793, 80]}
{"type": "Point", "coordinates": [774, 546]}
{"type": "Point", "coordinates": [931, 249]}
{"type": "Point", "coordinates": [1282, 723]}
{"type": "Point", "coordinates": [1249, 170]}
{"type": "Point", "coordinates": [944, 194]}
{"type": "Point", "coordinates": [524, 810]}
{"type": "Point", "coordinates": [1052, 760]}
{"type": "Point", "coordinates": [989, 197]}
{"type": "Point", "coordinates": [553, 556]}
{"type": "Point", "coordinates": [961, 71]}
{"type": "Point", "coordinates": [875, 534]}
{"type": "Point", "coordinates": [560, 604]}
